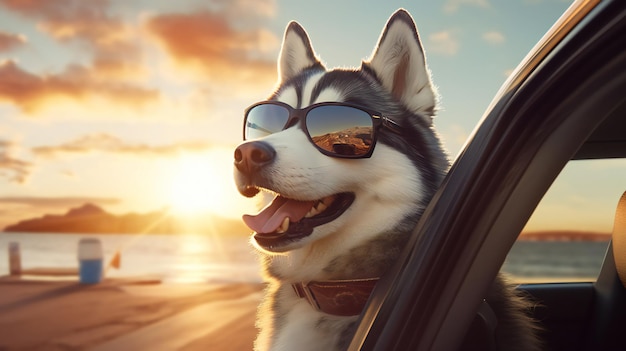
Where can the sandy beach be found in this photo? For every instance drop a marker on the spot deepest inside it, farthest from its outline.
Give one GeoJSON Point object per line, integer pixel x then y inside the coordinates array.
{"type": "Point", "coordinates": [126, 314]}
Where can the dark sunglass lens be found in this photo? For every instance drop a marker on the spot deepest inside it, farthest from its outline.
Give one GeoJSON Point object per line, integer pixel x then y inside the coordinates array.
{"type": "Point", "coordinates": [341, 130]}
{"type": "Point", "coordinates": [265, 119]}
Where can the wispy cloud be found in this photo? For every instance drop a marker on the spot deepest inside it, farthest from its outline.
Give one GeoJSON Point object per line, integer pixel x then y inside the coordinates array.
{"type": "Point", "coordinates": [79, 25]}
{"type": "Point", "coordinates": [494, 37]}
{"type": "Point", "coordinates": [244, 10]}
{"type": "Point", "coordinates": [211, 43]}
{"type": "Point", "coordinates": [226, 41]}
{"type": "Point", "coordinates": [12, 169]}
{"type": "Point", "coordinates": [444, 43]}
{"type": "Point", "coordinates": [89, 21]}
{"type": "Point", "coordinates": [30, 91]}
{"type": "Point", "coordinates": [454, 5]}
{"type": "Point", "coordinates": [89, 24]}
{"type": "Point", "coordinates": [10, 41]}
{"type": "Point", "coordinates": [110, 144]}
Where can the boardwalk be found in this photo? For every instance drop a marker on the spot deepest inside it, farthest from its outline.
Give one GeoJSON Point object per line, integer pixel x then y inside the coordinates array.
{"type": "Point", "coordinates": [126, 315]}
{"type": "Point", "coordinates": [218, 325]}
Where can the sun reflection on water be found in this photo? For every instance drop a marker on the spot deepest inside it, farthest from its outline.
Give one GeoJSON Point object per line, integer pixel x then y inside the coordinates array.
{"type": "Point", "coordinates": [195, 256]}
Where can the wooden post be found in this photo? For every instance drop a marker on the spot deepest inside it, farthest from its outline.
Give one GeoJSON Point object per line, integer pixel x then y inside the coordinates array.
{"type": "Point", "coordinates": [15, 260]}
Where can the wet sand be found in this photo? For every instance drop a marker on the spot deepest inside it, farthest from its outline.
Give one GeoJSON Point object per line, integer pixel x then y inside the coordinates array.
{"type": "Point", "coordinates": [126, 314]}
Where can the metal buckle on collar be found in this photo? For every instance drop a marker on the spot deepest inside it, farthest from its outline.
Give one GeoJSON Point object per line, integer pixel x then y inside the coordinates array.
{"type": "Point", "coordinates": [303, 291]}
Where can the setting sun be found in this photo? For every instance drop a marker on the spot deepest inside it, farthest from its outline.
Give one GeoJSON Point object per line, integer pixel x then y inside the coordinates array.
{"type": "Point", "coordinates": [203, 183]}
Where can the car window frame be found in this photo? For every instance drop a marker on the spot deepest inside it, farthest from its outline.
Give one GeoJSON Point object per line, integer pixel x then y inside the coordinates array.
{"type": "Point", "coordinates": [527, 136]}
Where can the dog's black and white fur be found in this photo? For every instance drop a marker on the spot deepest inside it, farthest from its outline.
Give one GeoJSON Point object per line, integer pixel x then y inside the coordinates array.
{"type": "Point", "coordinates": [390, 189]}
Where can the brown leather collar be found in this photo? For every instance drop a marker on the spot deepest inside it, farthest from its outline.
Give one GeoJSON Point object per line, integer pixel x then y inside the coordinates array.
{"type": "Point", "coordinates": [337, 297]}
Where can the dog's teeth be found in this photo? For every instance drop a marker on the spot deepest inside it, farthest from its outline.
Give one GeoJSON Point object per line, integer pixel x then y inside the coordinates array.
{"type": "Point", "coordinates": [283, 226]}
{"type": "Point", "coordinates": [312, 212]}
{"type": "Point", "coordinates": [321, 207]}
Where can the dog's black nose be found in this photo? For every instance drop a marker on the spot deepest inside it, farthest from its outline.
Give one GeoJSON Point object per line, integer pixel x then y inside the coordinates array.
{"type": "Point", "coordinates": [251, 156]}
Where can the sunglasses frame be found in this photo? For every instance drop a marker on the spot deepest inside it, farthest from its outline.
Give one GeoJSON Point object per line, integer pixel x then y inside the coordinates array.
{"type": "Point", "coordinates": [299, 117]}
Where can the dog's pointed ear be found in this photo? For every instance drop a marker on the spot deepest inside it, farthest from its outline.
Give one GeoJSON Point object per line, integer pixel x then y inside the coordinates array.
{"type": "Point", "coordinates": [296, 53]}
{"type": "Point", "coordinates": [400, 64]}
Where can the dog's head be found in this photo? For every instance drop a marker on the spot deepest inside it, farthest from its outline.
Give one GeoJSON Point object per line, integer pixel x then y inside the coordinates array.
{"type": "Point", "coordinates": [320, 194]}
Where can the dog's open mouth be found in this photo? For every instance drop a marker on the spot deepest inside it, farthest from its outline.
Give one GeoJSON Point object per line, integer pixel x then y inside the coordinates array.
{"type": "Point", "coordinates": [287, 220]}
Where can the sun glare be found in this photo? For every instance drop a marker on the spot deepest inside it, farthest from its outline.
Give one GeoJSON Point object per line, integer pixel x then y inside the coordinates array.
{"type": "Point", "coordinates": [203, 183]}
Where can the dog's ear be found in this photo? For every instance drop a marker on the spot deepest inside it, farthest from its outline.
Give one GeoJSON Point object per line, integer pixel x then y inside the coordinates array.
{"type": "Point", "coordinates": [296, 53]}
{"type": "Point", "coordinates": [400, 64]}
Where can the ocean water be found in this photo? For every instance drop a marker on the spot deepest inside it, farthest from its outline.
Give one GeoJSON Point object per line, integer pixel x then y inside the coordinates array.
{"type": "Point", "coordinates": [200, 258]}
{"type": "Point", "coordinates": [172, 258]}
{"type": "Point", "coordinates": [555, 260]}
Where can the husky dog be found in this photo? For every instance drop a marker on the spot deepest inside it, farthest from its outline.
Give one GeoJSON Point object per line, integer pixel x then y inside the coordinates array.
{"type": "Point", "coordinates": [351, 159]}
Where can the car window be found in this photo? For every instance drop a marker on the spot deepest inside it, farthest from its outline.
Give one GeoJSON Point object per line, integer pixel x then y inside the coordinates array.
{"type": "Point", "coordinates": [566, 238]}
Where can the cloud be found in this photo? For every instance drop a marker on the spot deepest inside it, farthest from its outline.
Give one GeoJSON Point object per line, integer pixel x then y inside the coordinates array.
{"type": "Point", "coordinates": [114, 44]}
{"type": "Point", "coordinates": [30, 91]}
{"type": "Point", "coordinates": [225, 43]}
{"type": "Point", "coordinates": [453, 5]}
{"type": "Point", "coordinates": [12, 168]}
{"type": "Point", "coordinates": [84, 27]}
{"type": "Point", "coordinates": [493, 37]}
{"type": "Point", "coordinates": [444, 43]}
{"type": "Point", "coordinates": [214, 44]}
{"type": "Point", "coordinates": [90, 23]}
{"type": "Point", "coordinates": [244, 10]}
{"type": "Point", "coordinates": [9, 41]}
{"type": "Point", "coordinates": [73, 19]}
{"type": "Point", "coordinates": [111, 144]}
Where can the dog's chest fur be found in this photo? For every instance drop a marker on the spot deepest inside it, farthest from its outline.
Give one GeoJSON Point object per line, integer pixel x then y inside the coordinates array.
{"type": "Point", "coordinates": [290, 322]}
{"type": "Point", "coordinates": [299, 327]}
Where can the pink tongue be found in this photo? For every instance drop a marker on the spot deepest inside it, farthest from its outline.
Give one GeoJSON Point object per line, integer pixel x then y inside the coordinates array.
{"type": "Point", "coordinates": [270, 218]}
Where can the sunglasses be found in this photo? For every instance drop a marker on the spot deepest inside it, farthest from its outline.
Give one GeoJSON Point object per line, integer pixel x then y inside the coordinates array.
{"type": "Point", "coordinates": [336, 129]}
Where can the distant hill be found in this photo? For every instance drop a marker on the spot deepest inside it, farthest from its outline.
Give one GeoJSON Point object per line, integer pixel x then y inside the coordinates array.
{"type": "Point", "coordinates": [564, 236]}
{"type": "Point", "coordinates": [90, 218]}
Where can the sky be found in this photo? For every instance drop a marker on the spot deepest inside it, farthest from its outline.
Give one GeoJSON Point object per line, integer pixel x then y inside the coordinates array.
{"type": "Point", "coordinates": [137, 105]}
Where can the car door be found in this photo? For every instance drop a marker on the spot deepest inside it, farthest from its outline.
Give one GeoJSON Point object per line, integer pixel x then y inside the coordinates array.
{"type": "Point", "coordinates": [568, 86]}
